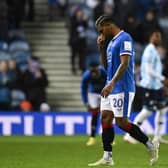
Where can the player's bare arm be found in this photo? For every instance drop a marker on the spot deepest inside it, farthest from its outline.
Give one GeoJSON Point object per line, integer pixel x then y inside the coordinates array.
{"type": "Point", "coordinates": [165, 82]}
{"type": "Point", "coordinates": [153, 73]}
{"type": "Point", "coordinates": [120, 71]}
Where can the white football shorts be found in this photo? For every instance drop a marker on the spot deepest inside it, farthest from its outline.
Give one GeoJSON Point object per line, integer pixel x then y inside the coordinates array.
{"type": "Point", "coordinates": [94, 100]}
{"type": "Point", "coordinates": [119, 103]}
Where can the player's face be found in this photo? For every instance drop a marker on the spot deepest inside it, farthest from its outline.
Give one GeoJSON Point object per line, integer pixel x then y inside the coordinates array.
{"type": "Point", "coordinates": [156, 37]}
{"type": "Point", "coordinates": [105, 30]}
{"type": "Point", "coordinates": [95, 73]}
{"type": "Point", "coordinates": [11, 64]}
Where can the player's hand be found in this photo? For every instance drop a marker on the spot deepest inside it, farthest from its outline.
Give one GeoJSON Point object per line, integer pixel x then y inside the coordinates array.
{"type": "Point", "coordinates": [106, 90]}
{"type": "Point", "coordinates": [88, 107]}
{"type": "Point", "coordinates": [165, 82]}
{"type": "Point", "coordinates": [100, 40]}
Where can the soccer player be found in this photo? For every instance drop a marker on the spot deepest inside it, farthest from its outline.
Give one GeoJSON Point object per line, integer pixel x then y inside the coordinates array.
{"type": "Point", "coordinates": [93, 81]}
{"type": "Point", "coordinates": [118, 94]}
{"type": "Point", "coordinates": [152, 83]}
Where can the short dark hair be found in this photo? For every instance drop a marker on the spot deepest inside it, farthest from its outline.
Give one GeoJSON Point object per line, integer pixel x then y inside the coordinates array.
{"type": "Point", "coordinates": [34, 58]}
{"type": "Point", "coordinates": [106, 19]}
{"type": "Point", "coordinates": [94, 64]}
{"type": "Point", "coordinates": [154, 30]}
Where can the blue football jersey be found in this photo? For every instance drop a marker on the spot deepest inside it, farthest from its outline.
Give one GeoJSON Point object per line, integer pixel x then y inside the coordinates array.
{"type": "Point", "coordinates": [121, 44]}
{"type": "Point", "coordinates": [92, 85]}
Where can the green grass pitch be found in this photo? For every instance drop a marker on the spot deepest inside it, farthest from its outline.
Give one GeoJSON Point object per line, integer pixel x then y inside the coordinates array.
{"type": "Point", "coordinates": [71, 152]}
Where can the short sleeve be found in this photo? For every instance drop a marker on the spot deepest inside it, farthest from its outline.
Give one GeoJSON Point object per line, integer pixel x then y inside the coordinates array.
{"type": "Point", "coordinates": [126, 46]}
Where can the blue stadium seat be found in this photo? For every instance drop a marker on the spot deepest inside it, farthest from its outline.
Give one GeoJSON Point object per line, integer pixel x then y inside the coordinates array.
{"type": "Point", "coordinates": [20, 51]}
{"type": "Point", "coordinates": [16, 35]}
{"type": "Point", "coordinates": [4, 55]}
{"type": "Point", "coordinates": [21, 56]}
{"type": "Point", "coordinates": [19, 45]}
{"type": "Point", "coordinates": [3, 46]}
{"type": "Point", "coordinates": [51, 2]}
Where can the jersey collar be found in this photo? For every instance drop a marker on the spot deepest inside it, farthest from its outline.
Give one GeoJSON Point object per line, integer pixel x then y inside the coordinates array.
{"type": "Point", "coordinates": [117, 35]}
{"type": "Point", "coordinates": [152, 45]}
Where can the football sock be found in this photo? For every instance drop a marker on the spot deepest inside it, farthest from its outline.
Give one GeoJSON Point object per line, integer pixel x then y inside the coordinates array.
{"type": "Point", "coordinates": [159, 121]}
{"type": "Point", "coordinates": [136, 133]}
{"type": "Point", "coordinates": [107, 137]}
{"type": "Point", "coordinates": [107, 155]}
{"type": "Point", "coordinates": [95, 115]}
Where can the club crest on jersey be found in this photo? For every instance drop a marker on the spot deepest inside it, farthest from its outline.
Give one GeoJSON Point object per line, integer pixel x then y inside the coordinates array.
{"type": "Point", "coordinates": [127, 45]}
{"type": "Point", "coordinates": [109, 55]}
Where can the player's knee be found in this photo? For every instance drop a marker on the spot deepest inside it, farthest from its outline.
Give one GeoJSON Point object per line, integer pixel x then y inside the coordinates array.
{"type": "Point", "coordinates": [121, 122]}
{"type": "Point", "coordinates": [107, 117]}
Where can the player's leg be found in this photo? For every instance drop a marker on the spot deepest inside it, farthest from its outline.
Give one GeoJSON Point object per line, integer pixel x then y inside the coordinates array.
{"type": "Point", "coordinates": [160, 114]}
{"type": "Point", "coordinates": [132, 129]}
{"type": "Point", "coordinates": [94, 121]}
{"type": "Point", "coordinates": [142, 115]}
{"type": "Point", "coordinates": [159, 121]}
{"type": "Point", "coordinates": [122, 111]}
{"type": "Point", "coordinates": [73, 59]}
{"type": "Point", "coordinates": [107, 139]}
{"type": "Point", "coordinates": [95, 114]}
{"type": "Point", "coordinates": [107, 133]}
{"type": "Point", "coordinates": [94, 102]}
{"type": "Point", "coordinates": [136, 133]}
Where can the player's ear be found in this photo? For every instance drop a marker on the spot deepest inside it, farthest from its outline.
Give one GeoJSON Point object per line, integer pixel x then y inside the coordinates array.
{"type": "Point", "coordinates": [113, 25]}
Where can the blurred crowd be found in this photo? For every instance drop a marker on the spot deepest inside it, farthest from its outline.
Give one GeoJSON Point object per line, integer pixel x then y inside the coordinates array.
{"type": "Point", "coordinates": [13, 12]}
{"type": "Point", "coordinates": [22, 88]}
{"type": "Point", "coordinates": [22, 79]}
{"type": "Point", "coordinates": [136, 17]}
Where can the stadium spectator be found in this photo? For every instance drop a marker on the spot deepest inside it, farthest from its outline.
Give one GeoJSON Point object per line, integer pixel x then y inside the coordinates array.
{"type": "Point", "coordinates": [5, 97]}
{"type": "Point", "coordinates": [93, 81]}
{"type": "Point", "coordinates": [16, 13]}
{"type": "Point", "coordinates": [142, 6]}
{"type": "Point", "coordinates": [152, 82]}
{"type": "Point", "coordinates": [164, 8]}
{"type": "Point", "coordinates": [118, 94]}
{"type": "Point", "coordinates": [150, 22]}
{"type": "Point", "coordinates": [62, 6]}
{"type": "Point", "coordinates": [131, 25]}
{"type": "Point", "coordinates": [53, 9]}
{"type": "Point", "coordinates": [109, 8]}
{"type": "Point", "coordinates": [4, 54]}
{"type": "Point", "coordinates": [30, 13]}
{"type": "Point", "coordinates": [3, 20]}
{"type": "Point", "coordinates": [15, 85]}
{"type": "Point", "coordinates": [99, 9]}
{"type": "Point", "coordinates": [19, 49]}
{"type": "Point", "coordinates": [35, 82]}
{"type": "Point", "coordinates": [92, 54]}
{"type": "Point", "coordinates": [57, 8]}
{"type": "Point", "coordinates": [77, 40]}
{"type": "Point", "coordinates": [127, 5]}
{"type": "Point", "coordinates": [91, 3]}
